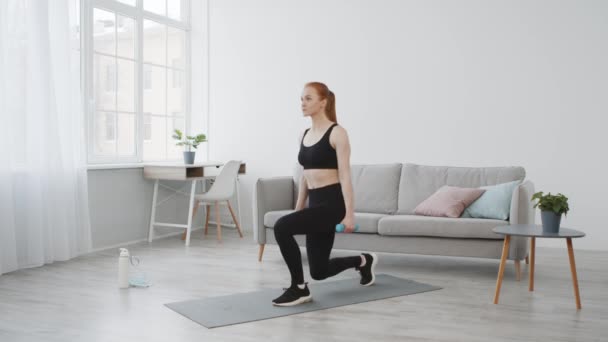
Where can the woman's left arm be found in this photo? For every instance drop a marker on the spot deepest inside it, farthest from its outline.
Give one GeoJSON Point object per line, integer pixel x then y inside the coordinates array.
{"type": "Point", "coordinates": [342, 146]}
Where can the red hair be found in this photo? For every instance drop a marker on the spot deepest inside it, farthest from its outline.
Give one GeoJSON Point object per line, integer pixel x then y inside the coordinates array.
{"type": "Point", "coordinates": [324, 93]}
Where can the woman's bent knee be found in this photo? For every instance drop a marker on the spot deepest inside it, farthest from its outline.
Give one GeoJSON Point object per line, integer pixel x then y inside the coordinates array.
{"type": "Point", "coordinates": [317, 274]}
{"type": "Point", "coordinates": [279, 228]}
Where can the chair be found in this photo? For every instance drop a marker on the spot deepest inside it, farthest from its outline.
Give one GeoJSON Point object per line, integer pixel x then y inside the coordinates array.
{"type": "Point", "coordinates": [220, 193]}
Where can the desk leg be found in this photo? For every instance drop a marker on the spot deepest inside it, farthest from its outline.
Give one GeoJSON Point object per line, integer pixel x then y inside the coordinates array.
{"type": "Point", "coordinates": [190, 209]}
{"type": "Point", "coordinates": [153, 212]}
{"type": "Point", "coordinates": [204, 185]}
{"type": "Point", "coordinates": [573, 270]}
{"type": "Point", "coordinates": [532, 261]}
{"type": "Point", "coordinates": [501, 269]}
{"type": "Point", "coordinates": [238, 203]}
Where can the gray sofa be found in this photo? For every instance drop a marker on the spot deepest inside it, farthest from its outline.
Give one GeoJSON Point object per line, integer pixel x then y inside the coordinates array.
{"type": "Point", "coordinates": [385, 198]}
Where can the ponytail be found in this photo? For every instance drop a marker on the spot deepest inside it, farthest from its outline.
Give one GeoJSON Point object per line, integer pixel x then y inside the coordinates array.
{"type": "Point", "coordinates": [326, 94]}
{"type": "Point", "coordinates": [330, 109]}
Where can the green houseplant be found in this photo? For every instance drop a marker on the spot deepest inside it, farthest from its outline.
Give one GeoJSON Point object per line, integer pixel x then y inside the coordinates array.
{"type": "Point", "coordinates": [190, 142]}
{"type": "Point", "coordinates": [551, 209]}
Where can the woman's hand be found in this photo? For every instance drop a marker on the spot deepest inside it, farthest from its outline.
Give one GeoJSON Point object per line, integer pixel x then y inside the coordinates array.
{"type": "Point", "coordinates": [349, 223]}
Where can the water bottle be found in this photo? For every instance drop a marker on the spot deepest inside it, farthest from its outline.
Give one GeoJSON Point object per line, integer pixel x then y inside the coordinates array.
{"type": "Point", "coordinates": [123, 269]}
{"type": "Point", "coordinates": [340, 228]}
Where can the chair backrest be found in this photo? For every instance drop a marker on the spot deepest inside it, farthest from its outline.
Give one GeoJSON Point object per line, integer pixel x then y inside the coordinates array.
{"type": "Point", "coordinates": [224, 184]}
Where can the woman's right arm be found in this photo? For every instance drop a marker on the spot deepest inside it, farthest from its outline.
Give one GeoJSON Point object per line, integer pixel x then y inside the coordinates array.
{"type": "Point", "coordinates": [302, 194]}
{"type": "Point", "coordinates": [303, 187]}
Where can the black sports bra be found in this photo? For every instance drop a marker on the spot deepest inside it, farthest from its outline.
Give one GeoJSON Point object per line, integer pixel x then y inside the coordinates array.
{"type": "Point", "coordinates": [320, 155]}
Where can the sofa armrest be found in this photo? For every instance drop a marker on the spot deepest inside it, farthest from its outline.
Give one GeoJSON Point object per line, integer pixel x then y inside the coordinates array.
{"type": "Point", "coordinates": [522, 212]}
{"type": "Point", "coordinates": [522, 208]}
{"type": "Point", "coordinates": [270, 194]}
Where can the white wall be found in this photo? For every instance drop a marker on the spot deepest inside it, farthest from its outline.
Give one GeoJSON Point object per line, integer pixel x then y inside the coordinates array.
{"type": "Point", "coordinates": [462, 83]}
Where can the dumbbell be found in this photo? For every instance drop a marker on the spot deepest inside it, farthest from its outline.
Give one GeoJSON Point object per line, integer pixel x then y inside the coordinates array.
{"type": "Point", "coordinates": [340, 228]}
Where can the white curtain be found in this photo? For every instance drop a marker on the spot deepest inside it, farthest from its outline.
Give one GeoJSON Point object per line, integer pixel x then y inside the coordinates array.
{"type": "Point", "coordinates": [44, 213]}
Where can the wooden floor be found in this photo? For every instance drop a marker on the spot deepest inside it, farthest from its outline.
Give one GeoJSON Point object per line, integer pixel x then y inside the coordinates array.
{"type": "Point", "coordinates": [78, 300]}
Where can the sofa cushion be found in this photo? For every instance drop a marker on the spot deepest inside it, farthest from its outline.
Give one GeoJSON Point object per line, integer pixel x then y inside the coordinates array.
{"type": "Point", "coordinates": [448, 201]}
{"type": "Point", "coordinates": [418, 182]}
{"type": "Point", "coordinates": [368, 222]}
{"type": "Point", "coordinates": [414, 225]}
{"type": "Point", "coordinates": [271, 217]}
{"type": "Point", "coordinates": [376, 187]}
{"type": "Point", "coordinates": [495, 203]}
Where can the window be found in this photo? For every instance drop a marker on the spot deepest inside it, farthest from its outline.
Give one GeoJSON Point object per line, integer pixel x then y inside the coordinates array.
{"type": "Point", "coordinates": [147, 127]}
{"type": "Point", "coordinates": [110, 134]}
{"type": "Point", "coordinates": [135, 72]}
{"type": "Point", "coordinates": [177, 79]}
{"type": "Point", "coordinates": [147, 78]}
{"type": "Point", "coordinates": [110, 81]}
{"type": "Point", "coordinates": [178, 122]}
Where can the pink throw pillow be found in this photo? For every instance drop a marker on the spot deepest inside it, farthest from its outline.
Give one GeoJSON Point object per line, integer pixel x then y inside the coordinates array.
{"type": "Point", "coordinates": [449, 201]}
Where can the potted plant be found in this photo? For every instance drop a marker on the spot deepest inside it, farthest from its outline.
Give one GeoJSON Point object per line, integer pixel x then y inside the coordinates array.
{"type": "Point", "coordinates": [551, 209]}
{"type": "Point", "coordinates": [190, 141]}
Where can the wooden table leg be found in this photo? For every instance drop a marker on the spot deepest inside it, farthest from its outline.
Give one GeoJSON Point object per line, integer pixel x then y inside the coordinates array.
{"type": "Point", "coordinates": [236, 222]}
{"type": "Point", "coordinates": [261, 252]}
{"type": "Point", "coordinates": [217, 221]}
{"type": "Point", "coordinates": [573, 270]}
{"type": "Point", "coordinates": [501, 269]}
{"type": "Point", "coordinates": [532, 257]}
{"type": "Point", "coordinates": [207, 218]}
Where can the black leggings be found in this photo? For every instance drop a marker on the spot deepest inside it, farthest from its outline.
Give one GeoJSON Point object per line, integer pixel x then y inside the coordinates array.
{"type": "Point", "coordinates": [318, 223]}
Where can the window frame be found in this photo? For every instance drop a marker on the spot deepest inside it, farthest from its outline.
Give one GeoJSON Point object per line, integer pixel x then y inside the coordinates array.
{"type": "Point", "coordinates": [87, 62]}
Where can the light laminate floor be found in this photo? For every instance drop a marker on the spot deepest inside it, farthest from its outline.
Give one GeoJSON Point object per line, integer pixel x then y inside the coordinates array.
{"type": "Point", "coordinates": [78, 300]}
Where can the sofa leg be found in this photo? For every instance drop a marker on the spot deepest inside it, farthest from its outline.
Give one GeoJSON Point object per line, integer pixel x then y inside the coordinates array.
{"type": "Point", "coordinates": [261, 252]}
{"type": "Point", "coordinates": [517, 270]}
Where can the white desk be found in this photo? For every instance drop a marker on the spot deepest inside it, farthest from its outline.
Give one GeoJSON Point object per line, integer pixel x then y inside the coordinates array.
{"type": "Point", "coordinates": [181, 172]}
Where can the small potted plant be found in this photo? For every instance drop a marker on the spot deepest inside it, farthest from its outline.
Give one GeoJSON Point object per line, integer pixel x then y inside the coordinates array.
{"type": "Point", "coordinates": [551, 209]}
{"type": "Point", "coordinates": [190, 141]}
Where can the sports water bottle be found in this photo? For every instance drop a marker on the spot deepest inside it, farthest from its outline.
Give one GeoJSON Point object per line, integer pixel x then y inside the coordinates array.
{"type": "Point", "coordinates": [340, 228]}
{"type": "Point", "coordinates": [123, 269]}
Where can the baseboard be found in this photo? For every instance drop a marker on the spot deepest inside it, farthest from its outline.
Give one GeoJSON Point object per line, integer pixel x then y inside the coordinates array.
{"type": "Point", "coordinates": [132, 242]}
{"type": "Point", "coordinates": [156, 236]}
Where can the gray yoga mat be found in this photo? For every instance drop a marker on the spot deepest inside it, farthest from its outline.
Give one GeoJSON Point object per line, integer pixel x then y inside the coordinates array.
{"type": "Point", "coordinates": [254, 306]}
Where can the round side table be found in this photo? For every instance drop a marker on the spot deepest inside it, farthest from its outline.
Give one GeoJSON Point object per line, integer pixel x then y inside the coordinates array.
{"type": "Point", "coordinates": [536, 231]}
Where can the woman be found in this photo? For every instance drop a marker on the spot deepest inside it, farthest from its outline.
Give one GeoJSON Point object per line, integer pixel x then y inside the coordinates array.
{"type": "Point", "coordinates": [325, 157]}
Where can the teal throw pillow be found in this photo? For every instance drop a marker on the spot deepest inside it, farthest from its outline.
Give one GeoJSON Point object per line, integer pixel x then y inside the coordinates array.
{"type": "Point", "coordinates": [495, 203]}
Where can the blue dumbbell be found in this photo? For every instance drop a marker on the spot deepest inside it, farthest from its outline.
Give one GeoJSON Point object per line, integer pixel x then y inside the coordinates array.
{"type": "Point", "coordinates": [340, 227]}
